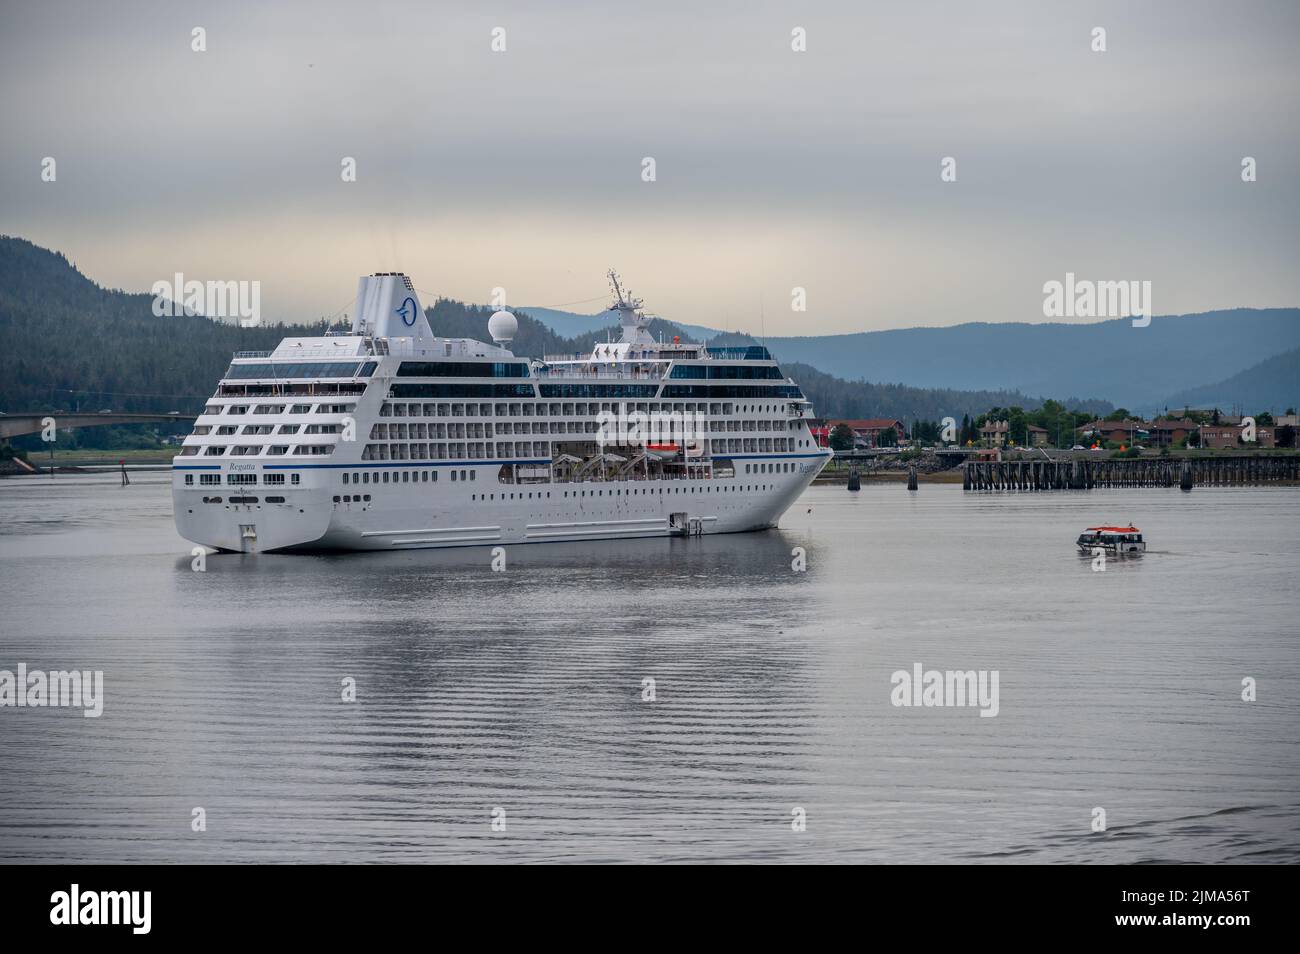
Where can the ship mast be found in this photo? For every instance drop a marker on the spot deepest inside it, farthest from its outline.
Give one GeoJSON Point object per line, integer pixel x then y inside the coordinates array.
{"type": "Point", "coordinates": [630, 316]}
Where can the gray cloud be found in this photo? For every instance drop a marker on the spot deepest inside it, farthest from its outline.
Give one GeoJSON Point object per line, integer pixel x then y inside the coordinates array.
{"type": "Point", "coordinates": [775, 169]}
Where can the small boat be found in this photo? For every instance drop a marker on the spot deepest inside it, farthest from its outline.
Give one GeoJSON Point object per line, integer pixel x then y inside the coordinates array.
{"type": "Point", "coordinates": [1112, 539]}
{"type": "Point", "coordinates": [662, 451]}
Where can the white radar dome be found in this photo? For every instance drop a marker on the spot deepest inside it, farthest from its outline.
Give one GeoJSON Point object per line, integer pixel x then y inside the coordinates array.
{"type": "Point", "coordinates": [502, 326]}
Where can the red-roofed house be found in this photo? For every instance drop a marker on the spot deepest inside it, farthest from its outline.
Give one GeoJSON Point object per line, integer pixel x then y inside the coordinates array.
{"type": "Point", "coordinates": [866, 433]}
{"type": "Point", "coordinates": [1120, 432]}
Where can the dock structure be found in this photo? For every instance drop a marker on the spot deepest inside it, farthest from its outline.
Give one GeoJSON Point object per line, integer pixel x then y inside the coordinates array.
{"type": "Point", "coordinates": [1081, 474]}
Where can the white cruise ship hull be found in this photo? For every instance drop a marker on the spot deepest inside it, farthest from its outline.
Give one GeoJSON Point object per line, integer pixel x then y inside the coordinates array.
{"type": "Point", "coordinates": [392, 438]}
{"type": "Point", "coordinates": [419, 515]}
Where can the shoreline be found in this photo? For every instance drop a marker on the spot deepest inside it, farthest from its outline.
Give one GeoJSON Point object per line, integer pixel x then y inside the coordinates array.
{"type": "Point", "coordinates": [893, 477]}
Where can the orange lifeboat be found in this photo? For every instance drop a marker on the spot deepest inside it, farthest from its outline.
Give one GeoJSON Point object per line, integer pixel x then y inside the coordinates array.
{"type": "Point", "coordinates": [663, 451]}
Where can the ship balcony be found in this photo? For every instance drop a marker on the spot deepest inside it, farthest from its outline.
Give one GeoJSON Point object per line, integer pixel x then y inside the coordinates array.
{"type": "Point", "coordinates": [596, 374]}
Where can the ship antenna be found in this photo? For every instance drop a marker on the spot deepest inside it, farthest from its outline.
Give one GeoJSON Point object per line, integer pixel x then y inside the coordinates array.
{"type": "Point", "coordinates": [622, 299]}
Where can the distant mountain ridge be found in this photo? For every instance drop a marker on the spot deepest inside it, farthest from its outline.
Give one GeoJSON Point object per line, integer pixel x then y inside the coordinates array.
{"type": "Point", "coordinates": [70, 343]}
{"type": "Point", "coordinates": [834, 397]}
{"type": "Point", "coordinates": [572, 324]}
{"type": "Point", "coordinates": [1274, 383]}
{"type": "Point", "coordinates": [1138, 368]}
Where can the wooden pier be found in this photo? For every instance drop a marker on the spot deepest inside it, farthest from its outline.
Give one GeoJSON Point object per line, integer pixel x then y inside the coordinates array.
{"type": "Point", "coordinates": [1081, 474]}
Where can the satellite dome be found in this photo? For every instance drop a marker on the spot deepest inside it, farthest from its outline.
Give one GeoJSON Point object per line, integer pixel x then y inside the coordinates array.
{"type": "Point", "coordinates": [502, 326]}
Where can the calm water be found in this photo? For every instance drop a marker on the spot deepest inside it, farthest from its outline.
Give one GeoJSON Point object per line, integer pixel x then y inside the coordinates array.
{"type": "Point", "coordinates": [523, 690]}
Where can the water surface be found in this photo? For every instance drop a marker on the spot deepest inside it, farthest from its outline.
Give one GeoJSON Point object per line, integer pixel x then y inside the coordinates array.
{"type": "Point", "coordinates": [523, 690]}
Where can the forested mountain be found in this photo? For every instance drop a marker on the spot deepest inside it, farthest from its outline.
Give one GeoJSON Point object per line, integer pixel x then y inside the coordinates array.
{"type": "Point", "coordinates": [1274, 383]}
{"type": "Point", "coordinates": [835, 397]}
{"type": "Point", "coordinates": [70, 344]}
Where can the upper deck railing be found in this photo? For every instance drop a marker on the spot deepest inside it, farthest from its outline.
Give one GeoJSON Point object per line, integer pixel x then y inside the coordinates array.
{"type": "Point", "coordinates": [646, 355]}
{"type": "Point", "coordinates": [586, 374]}
{"type": "Point", "coordinates": [740, 353]}
{"type": "Point", "coordinates": [674, 352]}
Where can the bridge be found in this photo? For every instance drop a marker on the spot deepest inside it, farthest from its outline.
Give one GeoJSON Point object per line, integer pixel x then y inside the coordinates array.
{"type": "Point", "coordinates": [16, 425]}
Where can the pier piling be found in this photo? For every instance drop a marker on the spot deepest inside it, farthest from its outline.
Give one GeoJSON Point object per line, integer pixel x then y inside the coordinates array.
{"type": "Point", "coordinates": [1082, 474]}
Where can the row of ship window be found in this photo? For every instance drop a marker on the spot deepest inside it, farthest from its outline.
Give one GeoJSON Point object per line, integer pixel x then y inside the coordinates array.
{"type": "Point", "coordinates": [278, 480]}
{"type": "Point", "coordinates": [522, 409]}
{"type": "Point", "coordinates": [406, 476]}
{"type": "Point", "coordinates": [239, 480]}
{"type": "Point", "coordinates": [243, 499]}
{"type": "Point", "coordinates": [561, 409]}
{"type": "Point", "coordinates": [546, 494]}
{"type": "Point", "coordinates": [665, 426]}
{"type": "Point", "coordinates": [253, 450]}
{"type": "Point", "coordinates": [225, 430]}
{"type": "Point", "coordinates": [283, 390]}
{"type": "Point", "coordinates": [461, 451]}
{"type": "Point", "coordinates": [403, 431]}
{"type": "Point", "coordinates": [629, 492]}
{"type": "Point", "coordinates": [539, 494]}
{"type": "Point", "coordinates": [618, 391]}
{"type": "Point", "coordinates": [502, 450]}
{"type": "Point", "coordinates": [238, 409]}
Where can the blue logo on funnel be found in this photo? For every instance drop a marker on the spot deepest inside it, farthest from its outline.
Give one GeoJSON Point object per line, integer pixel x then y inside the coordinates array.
{"type": "Point", "coordinates": [408, 311]}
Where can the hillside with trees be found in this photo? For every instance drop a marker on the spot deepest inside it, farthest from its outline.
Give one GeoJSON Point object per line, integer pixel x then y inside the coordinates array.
{"type": "Point", "coordinates": [834, 397]}
{"type": "Point", "coordinates": [73, 345]}
{"type": "Point", "coordinates": [1272, 383]}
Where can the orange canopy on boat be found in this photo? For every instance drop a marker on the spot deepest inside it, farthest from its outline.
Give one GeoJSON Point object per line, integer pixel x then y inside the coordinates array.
{"type": "Point", "coordinates": [1114, 530]}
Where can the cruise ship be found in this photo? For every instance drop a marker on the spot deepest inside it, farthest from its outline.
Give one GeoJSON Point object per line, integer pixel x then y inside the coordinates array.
{"type": "Point", "coordinates": [389, 437]}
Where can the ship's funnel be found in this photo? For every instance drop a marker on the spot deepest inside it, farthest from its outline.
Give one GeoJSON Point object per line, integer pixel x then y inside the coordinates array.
{"type": "Point", "coordinates": [388, 307]}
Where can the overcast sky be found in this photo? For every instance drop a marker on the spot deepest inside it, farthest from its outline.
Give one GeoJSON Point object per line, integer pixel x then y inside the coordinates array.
{"type": "Point", "coordinates": [775, 168]}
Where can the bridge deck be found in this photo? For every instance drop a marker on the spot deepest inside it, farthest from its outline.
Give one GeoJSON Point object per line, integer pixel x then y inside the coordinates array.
{"type": "Point", "coordinates": [16, 425]}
